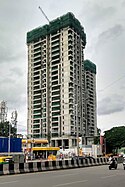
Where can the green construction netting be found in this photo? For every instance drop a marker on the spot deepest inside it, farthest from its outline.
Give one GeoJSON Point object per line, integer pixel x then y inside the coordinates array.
{"type": "Point", "coordinates": [88, 65]}
{"type": "Point", "coordinates": [59, 23]}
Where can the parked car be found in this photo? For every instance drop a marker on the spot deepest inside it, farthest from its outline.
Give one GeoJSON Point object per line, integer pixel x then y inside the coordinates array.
{"type": "Point", "coordinates": [78, 157]}
{"type": "Point", "coordinates": [82, 157]}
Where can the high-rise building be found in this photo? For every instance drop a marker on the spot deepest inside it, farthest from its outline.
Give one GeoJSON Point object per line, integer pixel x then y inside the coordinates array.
{"type": "Point", "coordinates": [56, 86]}
{"type": "Point", "coordinates": [90, 100]}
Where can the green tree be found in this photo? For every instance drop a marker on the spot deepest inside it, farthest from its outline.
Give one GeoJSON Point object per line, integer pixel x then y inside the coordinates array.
{"type": "Point", "coordinates": [97, 138]}
{"type": "Point", "coordinates": [115, 139]}
{"type": "Point", "coordinates": [4, 129]}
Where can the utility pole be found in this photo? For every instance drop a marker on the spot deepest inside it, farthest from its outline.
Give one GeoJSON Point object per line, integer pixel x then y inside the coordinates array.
{"type": "Point", "coordinates": [9, 138]}
{"type": "Point", "coordinates": [14, 121]}
{"type": "Point", "coordinates": [86, 125]}
{"type": "Point", "coordinates": [77, 126]}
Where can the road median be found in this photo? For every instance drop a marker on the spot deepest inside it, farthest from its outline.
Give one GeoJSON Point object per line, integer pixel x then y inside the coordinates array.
{"type": "Point", "coordinates": [17, 168]}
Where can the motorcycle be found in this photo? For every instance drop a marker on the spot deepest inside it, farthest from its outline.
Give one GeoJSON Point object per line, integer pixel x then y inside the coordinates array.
{"type": "Point", "coordinates": [124, 163]}
{"type": "Point", "coordinates": [112, 164]}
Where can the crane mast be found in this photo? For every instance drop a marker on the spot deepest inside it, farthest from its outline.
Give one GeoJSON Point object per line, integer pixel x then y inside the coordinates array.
{"type": "Point", "coordinates": [44, 14]}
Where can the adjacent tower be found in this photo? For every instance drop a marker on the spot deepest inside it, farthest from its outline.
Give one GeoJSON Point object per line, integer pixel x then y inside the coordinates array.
{"type": "Point", "coordinates": [90, 100]}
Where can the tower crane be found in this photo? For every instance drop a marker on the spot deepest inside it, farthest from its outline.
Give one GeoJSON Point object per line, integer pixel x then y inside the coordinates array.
{"type": "Point", "coordinates": [44, 14]}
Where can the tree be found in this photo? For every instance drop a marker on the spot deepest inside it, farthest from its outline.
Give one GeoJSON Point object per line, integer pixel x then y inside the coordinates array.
{"type": "Point", "coordinates": [4, 129]}
{"type": "Point", "coordinates": [97, 138]}
{"type": "Point", "coordinates": [115, 139]}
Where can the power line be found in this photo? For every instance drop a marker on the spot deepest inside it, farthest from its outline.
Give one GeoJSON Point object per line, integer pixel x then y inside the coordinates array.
{"type": "Point", "coordinates": [108, 86]}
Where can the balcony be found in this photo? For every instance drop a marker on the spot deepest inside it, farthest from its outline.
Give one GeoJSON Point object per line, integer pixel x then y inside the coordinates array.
{"type": "Point", "coordinates": [56, 113]}
{"type": "Point", "coordinates": [57, 98]}
{"type": "Point", "coordinates": [38, 50]}
{"type": "Point", "coordinates": [54, 130]}
{"type": "Point", "coordinates": [55, 43]}
{"type": "Point", "coordinates": [55, 53]}
{"type": "Point", "coordinates": [56, 108]}
{"type": "Point", "coordinates": [37, 107]}
{"type": "Point", "coordinates": [55, 57]}
{"type": "Point", "coordinates": [55, 49]}
{"type": "Point", "coordinates": [37, 59]}
{"type": "Point", "coordinates": [55, 88]}
{"type": "Point", "coordinates": [36, 87]}
{"type": "Point", "coordinates": [36, 126]}
{"type": "Point", "coordinates": [37, 45]}
{"type": "Point", "coordinates": [36, 116]}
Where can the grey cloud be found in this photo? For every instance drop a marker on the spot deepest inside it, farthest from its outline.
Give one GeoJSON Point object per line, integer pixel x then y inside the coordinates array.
{"type": "Point", "coordinates": [5, 81]}
{"type": "Point", "coordinates": [122, 87]}
{"type": "Point", "coordinates": [5, 54]}
{"type": "Point", "coordinates": [110, 105]}
{"type": "Point", "coordinates": [10, 51]}
{"type": "Point", "coordinates": [109, 47]}
{"type": "Point", "coordinates": [100, 13]}
{"type": "Point", "coordinates": [14, 99]}
{"type": "Point", "coordinates": [16, 71]}
{"type": "Point", "coordinates": [13, 91]}
{"type": "Point", "coordinates": [17, 101]}
{"type": "Point", "coordinates": [123, 3]}
{"type": "Point", "coordinates": [94, 14]}
{"type": "Point", "coordinates": [112, 33]}
{"type": "Point", "coordinates": [18, 17]}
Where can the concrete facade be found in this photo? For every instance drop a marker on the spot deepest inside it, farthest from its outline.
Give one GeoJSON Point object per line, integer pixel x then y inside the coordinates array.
{"type": "Point", "coordinates": [56, 85]}
{"type": "Point", "coordinates": [90, 100]}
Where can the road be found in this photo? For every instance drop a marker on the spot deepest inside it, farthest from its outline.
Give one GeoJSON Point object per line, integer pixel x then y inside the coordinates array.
{"type": "Point", "coordinates": [98, 176]}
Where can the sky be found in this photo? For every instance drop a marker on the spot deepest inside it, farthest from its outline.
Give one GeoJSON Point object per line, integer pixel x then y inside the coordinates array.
{"type": "Point", "coordinates": [104, 25]}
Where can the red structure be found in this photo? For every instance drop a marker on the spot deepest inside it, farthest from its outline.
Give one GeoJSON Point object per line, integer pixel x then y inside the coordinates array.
{"type": "Point", "coordinates": [103, 144]}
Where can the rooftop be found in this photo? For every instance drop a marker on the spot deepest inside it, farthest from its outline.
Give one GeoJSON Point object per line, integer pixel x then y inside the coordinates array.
{"type": "Point", "coordinates": [59, 23]}
{"type": "Point", "coordinates": [88, 65]}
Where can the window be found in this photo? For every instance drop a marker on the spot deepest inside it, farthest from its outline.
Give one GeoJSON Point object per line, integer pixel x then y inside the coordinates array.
{"type": "Point", "coordinates": [36, 121]}
{"type": "Point", "coordinates": [55, 108]}
{"type": "Point", "coordinates": [55, 98]}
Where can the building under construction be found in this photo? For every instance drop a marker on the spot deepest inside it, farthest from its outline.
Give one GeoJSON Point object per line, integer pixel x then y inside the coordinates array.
{"type": "Point", "coordinates": [56, 82]}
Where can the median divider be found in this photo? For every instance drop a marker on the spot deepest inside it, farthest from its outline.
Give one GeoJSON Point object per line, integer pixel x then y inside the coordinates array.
{"type": "Point", "coordinates": [16, 168]}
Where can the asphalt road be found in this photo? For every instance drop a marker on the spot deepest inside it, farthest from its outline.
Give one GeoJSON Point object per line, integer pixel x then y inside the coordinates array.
{"type": "Point", "coordinates": [98, 176]}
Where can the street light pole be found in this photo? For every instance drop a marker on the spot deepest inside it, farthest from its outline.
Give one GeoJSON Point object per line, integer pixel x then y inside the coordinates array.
{"type": "Point", "coordinates": [86, 125]}
{"type": "Point", "coordinates": [105, 145]}
{"type": "Point", "coordinates": [9, 140]}
{"type": "Point", "coordinates": [77, 134]}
